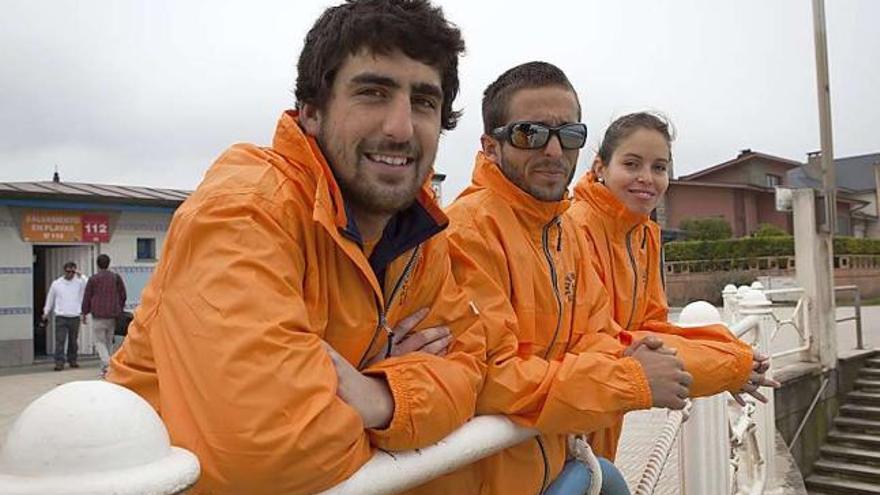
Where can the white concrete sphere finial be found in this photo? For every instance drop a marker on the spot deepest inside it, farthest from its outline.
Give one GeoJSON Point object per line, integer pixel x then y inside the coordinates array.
{"type": "Point", "coordinates": [699, 314]}
{"type": "Point", "coordinates": [757, 285]}
{"type": "Point", "coordinates": [754, 300]}
{"type": "Point", "coordinates": [92, 437]}
{"type": "Point", "coordinates": [729, 290]}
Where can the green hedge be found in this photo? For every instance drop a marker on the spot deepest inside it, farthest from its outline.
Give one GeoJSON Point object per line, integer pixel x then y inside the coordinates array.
{"type": "Point", "coordinates": [851, 245]}
{"type": "Point", "coordinates": [706, 229]}
{"type": "Point", "coordinates": [754, 247]}
{"type": "Point", "coordinates": [769, 230]}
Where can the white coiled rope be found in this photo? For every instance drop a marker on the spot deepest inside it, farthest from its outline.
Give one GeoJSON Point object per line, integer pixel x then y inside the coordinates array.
{"type": "Point", "coordinates": [660, 452]}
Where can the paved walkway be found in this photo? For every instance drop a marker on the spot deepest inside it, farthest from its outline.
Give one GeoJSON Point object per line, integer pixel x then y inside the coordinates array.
{"type": "Point", "coordinates": [19, 386]}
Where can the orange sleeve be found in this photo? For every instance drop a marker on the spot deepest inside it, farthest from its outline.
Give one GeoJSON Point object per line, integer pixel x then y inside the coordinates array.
{"type": "Point", "coordinates": [582, 392]}
{"type": "Point", "coordinates": [434, 395]}
{"type": "Point", "coordinates": [244, 382]}
{"type": "Point", "coordinates": [717, 360]}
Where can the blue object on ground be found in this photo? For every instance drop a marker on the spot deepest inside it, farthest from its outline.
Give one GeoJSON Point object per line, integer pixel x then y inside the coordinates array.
{"type": "Point", "coordinates": [575, 479]}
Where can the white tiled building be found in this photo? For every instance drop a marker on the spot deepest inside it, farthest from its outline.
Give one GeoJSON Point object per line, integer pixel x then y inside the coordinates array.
{"type": "Point", "coordinates": [45, 224]}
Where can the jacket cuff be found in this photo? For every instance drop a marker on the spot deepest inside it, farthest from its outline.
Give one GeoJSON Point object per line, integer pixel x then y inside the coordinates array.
{"type": "Point", "coordinates": [642, 398]}
{"type": "Point", "coordinates": [400, 427]}
{"type": "Point", "coordinates": [744, 357]}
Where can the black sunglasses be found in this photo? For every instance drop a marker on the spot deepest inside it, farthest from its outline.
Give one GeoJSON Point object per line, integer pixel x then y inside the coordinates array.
{"type": "Point", "coordinates": [535, 135]}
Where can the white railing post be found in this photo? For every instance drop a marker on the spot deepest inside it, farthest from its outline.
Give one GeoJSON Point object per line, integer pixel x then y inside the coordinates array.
{"type": "Point", "coordinates": [755, 303]}
{"type": "Point", "coordinates": [706, 448]}
{"type": "Point", "coordinates": [705, 443]}
{"type": "Point", "coordinates": [92, 437]}
{"type": "Point", "coordinates": [740, 292]}
{"type": "Point", "coordinates": [728, 296]}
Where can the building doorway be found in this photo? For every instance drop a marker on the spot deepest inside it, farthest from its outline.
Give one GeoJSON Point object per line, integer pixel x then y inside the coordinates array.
{"type": "Point", "coordinates": [49, 263]}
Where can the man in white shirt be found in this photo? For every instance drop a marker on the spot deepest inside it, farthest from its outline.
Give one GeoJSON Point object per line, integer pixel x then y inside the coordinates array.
{"type": "Point", "coordinates": [65, 299]}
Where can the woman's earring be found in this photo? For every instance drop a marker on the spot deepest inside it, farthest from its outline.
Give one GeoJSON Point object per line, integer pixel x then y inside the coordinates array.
{"type": "Point", "coordinates": [601, 180]}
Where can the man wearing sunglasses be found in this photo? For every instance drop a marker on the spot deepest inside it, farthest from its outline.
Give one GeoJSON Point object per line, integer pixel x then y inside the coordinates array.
{"type": "Point", "coordinates": [65, 300]}
{"type": "Point", "coordinates": [552, 362]}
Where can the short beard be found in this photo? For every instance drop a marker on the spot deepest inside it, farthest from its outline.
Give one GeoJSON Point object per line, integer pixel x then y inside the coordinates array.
{"type": "Point", "coordinates": [516, 176]}
{"type": "Point", "coordinates": [368, 197]}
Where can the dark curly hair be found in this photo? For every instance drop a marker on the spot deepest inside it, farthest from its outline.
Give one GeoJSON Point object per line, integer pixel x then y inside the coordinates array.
{"type": "Point", "coordinates": [414, 27]}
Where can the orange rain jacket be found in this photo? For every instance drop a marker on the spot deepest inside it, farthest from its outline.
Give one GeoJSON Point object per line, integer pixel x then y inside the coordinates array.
{"type": "Point", "coordinates": [626, 255]}
{"type": "Point", "coordinates": [260, 264]}
{"type": "Point", "coordinates": [523, 267]}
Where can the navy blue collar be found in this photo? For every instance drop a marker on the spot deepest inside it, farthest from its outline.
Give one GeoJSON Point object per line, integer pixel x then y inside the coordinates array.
{"type": "Point", "coordinates": [404, 231]}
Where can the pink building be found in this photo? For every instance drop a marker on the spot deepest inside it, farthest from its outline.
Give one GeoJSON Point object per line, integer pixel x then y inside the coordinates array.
{"type": "Point", "coordinates": [742, 191]}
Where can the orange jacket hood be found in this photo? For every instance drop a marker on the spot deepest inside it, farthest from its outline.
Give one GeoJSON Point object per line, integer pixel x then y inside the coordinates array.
{"type": "Point", "coordinates": [256, 271]}
{"type": "Point", "coordinates": [627, 251]}
{"type": "Point", "coordinates": [603, 200]}
{"type": "Point", "coordinates": [531, 212]}
{"type": "Point", "coordinates": [553, 352]}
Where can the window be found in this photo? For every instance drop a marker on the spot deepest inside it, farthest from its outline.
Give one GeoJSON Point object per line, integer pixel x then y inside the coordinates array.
{"type": "Point", "coordinates": [844, 224]}
{"type": "Point", "coordinates": [146, 248]}
{"type": "Point", "coordinates": [773, 180]}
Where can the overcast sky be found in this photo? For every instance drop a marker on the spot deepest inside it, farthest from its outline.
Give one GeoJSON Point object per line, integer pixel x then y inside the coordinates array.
{"type": "Point", "coordinates": [150, 92]}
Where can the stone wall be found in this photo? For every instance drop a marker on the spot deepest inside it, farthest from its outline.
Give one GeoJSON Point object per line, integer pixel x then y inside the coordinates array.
{"type": "Point", "coordinates": [682, 288]}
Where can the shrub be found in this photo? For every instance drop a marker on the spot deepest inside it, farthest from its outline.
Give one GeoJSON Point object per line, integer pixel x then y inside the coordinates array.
{"type": "Point", "coordinates": [852, 245]}
{"type": "Point", "coordinates": [754, 247]}
{"type": "Point", "coordinates": [706, 229]}
{"type": "Point", "coordinates": [770, 230]}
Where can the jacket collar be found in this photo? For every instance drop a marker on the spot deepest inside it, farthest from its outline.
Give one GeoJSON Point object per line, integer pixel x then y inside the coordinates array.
{"type": "Point", "coordinates": [589, 189]}
{"type": "Point", "coordinates": [407, 229]}
{"type": "Point", "coordinates": [533, 212]}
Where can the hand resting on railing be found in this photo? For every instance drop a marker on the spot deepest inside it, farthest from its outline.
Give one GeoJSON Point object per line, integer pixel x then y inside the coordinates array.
{"type": "Point", "coordinates": [669, 382]}
{"type": "Point", "coordinates": [757, 379]}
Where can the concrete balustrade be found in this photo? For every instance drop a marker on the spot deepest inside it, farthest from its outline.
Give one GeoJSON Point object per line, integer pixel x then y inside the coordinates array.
{"type": "Point", "coordinates": [704, 469]}
{"type": "Point", "coordinates": [728, 296]}
{"type": "Point", "coordinates": [754, 302]}
{"type": "Point", "coordinates": [92, 438]}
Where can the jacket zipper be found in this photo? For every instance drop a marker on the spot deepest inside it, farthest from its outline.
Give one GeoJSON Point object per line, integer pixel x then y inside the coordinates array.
{"type": "Point", "coordinates": [383, 321]}
{"type": "Point", "coordinates": [547, 254]}
{"type": "Point", "coordinates": [632, 263]}
{"type": "Point", "coordinates": [545, 242]}
{"type": "Point", "coordinates": [546, 465]}
{"type": "Point", "coordinates": [663, 265]}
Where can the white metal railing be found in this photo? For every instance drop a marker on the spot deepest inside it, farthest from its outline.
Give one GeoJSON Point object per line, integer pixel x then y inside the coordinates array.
{"type": "Point", "coordinates": [389, 473]}
{"type": "Point", "coordinates": [799, 321]}
{"type": "Point", "coordinates": [857, 312]}
{"type": "Point", "coordinates": [750, 430]}
{"type": "Point", "coordinates": [745, 326]}
{"type": "Point", "coordinates": [748, 439]}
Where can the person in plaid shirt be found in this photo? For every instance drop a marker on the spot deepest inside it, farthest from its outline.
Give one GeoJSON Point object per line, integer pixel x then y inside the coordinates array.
{"type": "Point", "coordinates": [104, 298]}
